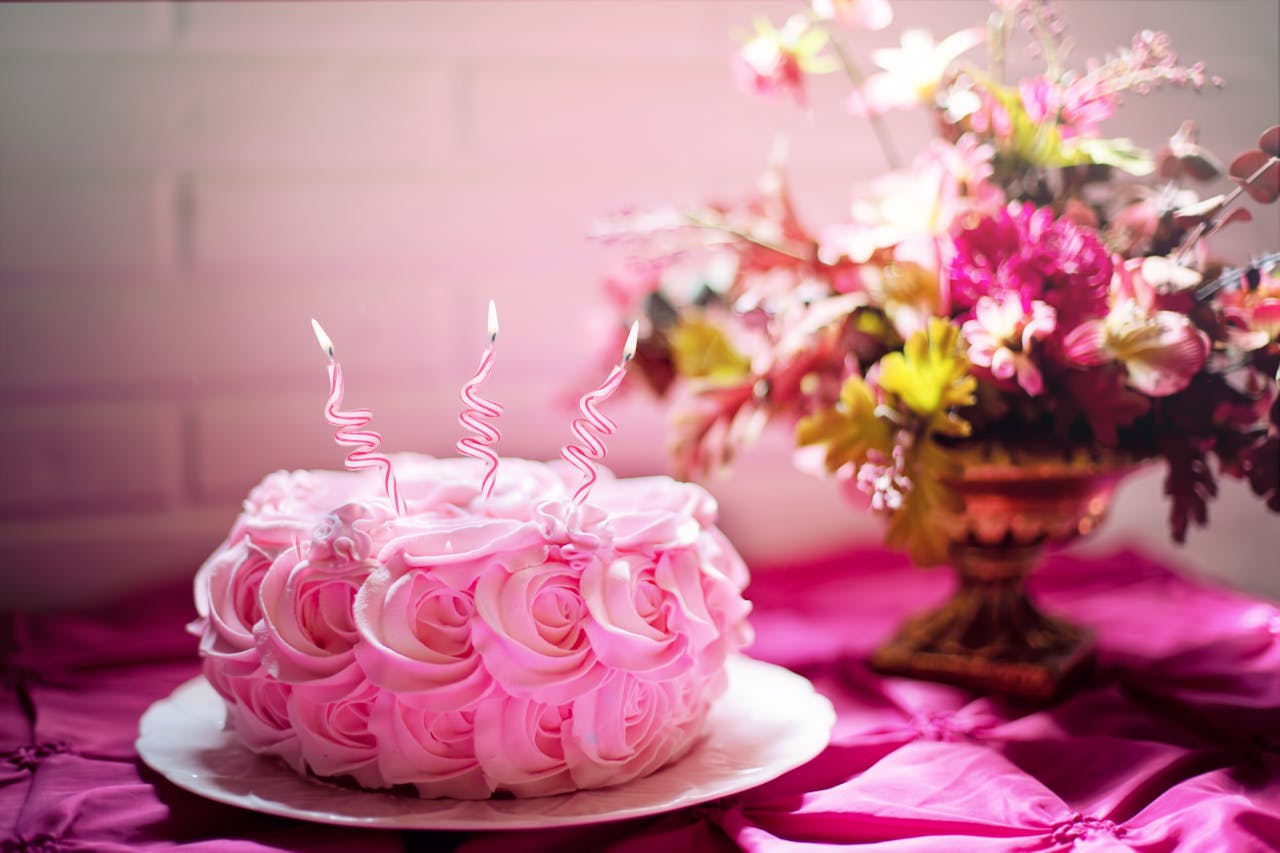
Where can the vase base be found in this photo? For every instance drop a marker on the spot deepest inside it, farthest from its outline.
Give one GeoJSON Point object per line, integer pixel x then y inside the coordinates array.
{"type": "Point", "coordinates": [1039, 680]}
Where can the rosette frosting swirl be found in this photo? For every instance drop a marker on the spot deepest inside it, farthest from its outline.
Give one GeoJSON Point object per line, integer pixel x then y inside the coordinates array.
{"type": "Point", "coordinates": [471, 645]}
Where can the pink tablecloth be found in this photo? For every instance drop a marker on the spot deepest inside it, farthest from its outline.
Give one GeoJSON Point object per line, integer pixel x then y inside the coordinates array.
{"type": "Point", "coordinates": [1173, 745]}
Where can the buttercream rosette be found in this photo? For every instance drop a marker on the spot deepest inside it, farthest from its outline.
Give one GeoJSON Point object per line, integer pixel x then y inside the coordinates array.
{"type": "Point", "coordinates": [511, 643]}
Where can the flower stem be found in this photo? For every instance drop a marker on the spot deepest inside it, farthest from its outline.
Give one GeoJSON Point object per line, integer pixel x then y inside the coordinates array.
{"type": "Point", "coordinates": [1047, 41]}
{"type": "Point", "coordinates": [997, 43]}
{"type": "Point", "coordinates": [698, 222]}
{"type": "Point", "coordinates": [1196, 233]}
{"type": "Point", "coordinates": [1205, 292]}
{"type": "Point", "coordinates": [878, 126]}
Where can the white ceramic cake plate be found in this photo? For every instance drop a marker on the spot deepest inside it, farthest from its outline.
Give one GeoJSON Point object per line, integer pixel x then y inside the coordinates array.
{"type": "Point", "coordinates": [769, 721]}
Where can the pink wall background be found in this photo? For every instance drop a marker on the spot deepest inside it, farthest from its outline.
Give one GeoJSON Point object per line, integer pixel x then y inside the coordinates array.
{"type": "Point", "coordinates": [183, 186]}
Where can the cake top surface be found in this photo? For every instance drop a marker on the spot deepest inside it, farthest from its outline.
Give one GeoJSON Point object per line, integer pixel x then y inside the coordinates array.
{"type": "Point", "coordinates": [341, 513]}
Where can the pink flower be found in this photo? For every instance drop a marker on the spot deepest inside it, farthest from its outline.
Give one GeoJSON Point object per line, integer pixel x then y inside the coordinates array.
{"type": "Point", "coordinates": [912, 72]}
{"type": "Point", "coordinates": [885, 479]}
{"type": "Point", "coordinates": [859, 14]}
{"type": "Point", "coordinates": [1085, 104]}
{"type": "Point", "coordinates": [990, 117]}
{"type": "Point", "coordinates": [1254, 312]}
{"type": "Point", "coordinates": [1160, 350]}
{"type": "Point", "coordinates": [908, 210]}
{"type": "Point", "coordinates": [1025, 252]}
{"type": "Point", "coordinates": [1262, 319]}
{"type": "Point", "coordinates": [1156, 283]}
{"type": "Point", "coordinates": [968, 162]}
{"type": "Point", "coordinates": [1040, 99]}
{"type": "Point", "coordinates": [1001, 337]}
{"type": "Point", "coordinates": [773, 63]}
{"type": "Point", "coordinates": [1076, 110]}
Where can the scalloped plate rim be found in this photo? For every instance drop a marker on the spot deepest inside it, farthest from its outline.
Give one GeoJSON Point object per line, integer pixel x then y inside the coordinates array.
{"type": "Point", "coordinates": [766, 707]}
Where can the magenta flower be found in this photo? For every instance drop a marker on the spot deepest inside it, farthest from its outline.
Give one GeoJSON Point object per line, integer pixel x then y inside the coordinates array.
{"type": "Point", "coordinates": [1024, 251]}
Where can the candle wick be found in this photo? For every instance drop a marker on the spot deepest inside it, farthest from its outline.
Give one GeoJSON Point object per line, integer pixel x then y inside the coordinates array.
{"type": "Point", "coordinates": [350, 430]}
{"type": "Point", "coordinates": [629, 351]}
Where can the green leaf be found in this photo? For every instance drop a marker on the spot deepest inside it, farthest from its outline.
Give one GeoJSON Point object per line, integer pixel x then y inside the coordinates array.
{"type": "Point", "coordinates": [1119, 153]}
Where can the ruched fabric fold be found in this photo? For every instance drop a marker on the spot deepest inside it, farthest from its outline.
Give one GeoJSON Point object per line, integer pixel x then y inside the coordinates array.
{"type": "Point", "coordinates": [1173, 743]}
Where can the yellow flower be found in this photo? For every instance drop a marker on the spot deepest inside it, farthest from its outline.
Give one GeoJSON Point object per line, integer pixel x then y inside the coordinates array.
{"type": "Point", "coordinates": [907, 291]}
{"type": "Point", "coordinates": [931, 376]}
{"type": "Point", "coordinates": [702, 351]}
{"type": "Point", "coordinates": [849, 429]}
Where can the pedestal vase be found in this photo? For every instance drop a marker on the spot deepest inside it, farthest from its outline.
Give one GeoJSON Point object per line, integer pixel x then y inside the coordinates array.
{"type": "Point", "coordinates": [990, 636]}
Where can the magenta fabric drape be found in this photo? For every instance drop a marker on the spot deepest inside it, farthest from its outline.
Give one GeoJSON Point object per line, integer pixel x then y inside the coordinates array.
{"type": "Point", "coordinates": [1174, 743]}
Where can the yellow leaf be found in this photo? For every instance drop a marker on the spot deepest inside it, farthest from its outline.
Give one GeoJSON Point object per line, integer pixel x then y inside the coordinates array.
{"type": "Point", "coordinates": [849, 429]}
{"type": "Point", "coordinates": [702, 351]}
{"type": "Point", "coordinates": [920, 525]}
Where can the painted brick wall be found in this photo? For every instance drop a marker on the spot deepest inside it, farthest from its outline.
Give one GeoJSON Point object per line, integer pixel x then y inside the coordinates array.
{"type": "Point", "coordinates": [182, 186]}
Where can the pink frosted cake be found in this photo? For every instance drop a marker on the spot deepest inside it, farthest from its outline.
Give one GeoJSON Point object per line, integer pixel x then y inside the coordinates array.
{"type": "Point", "coordinates": [472, 645]}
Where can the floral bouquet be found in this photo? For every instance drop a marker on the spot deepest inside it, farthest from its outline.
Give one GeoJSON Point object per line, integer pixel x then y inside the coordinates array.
{"type": "Point", "coordinates": [1029, 286]}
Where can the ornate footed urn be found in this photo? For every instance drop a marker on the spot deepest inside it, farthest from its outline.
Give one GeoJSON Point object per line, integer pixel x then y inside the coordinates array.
{"type": "Point", "coordinates": [989, 635]}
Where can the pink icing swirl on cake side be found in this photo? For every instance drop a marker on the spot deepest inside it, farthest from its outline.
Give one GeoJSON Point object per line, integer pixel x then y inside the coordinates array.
{"type": "Point", "coordinates": [471, 645]}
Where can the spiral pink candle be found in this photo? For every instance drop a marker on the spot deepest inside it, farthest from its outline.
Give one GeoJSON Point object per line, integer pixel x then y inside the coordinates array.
{"type": "Point", "coordinates": [477, 408]}
{"type": "Point", "coordinates": [349, 424]}
{"type": "Point", "coordinates": [591, 450]}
